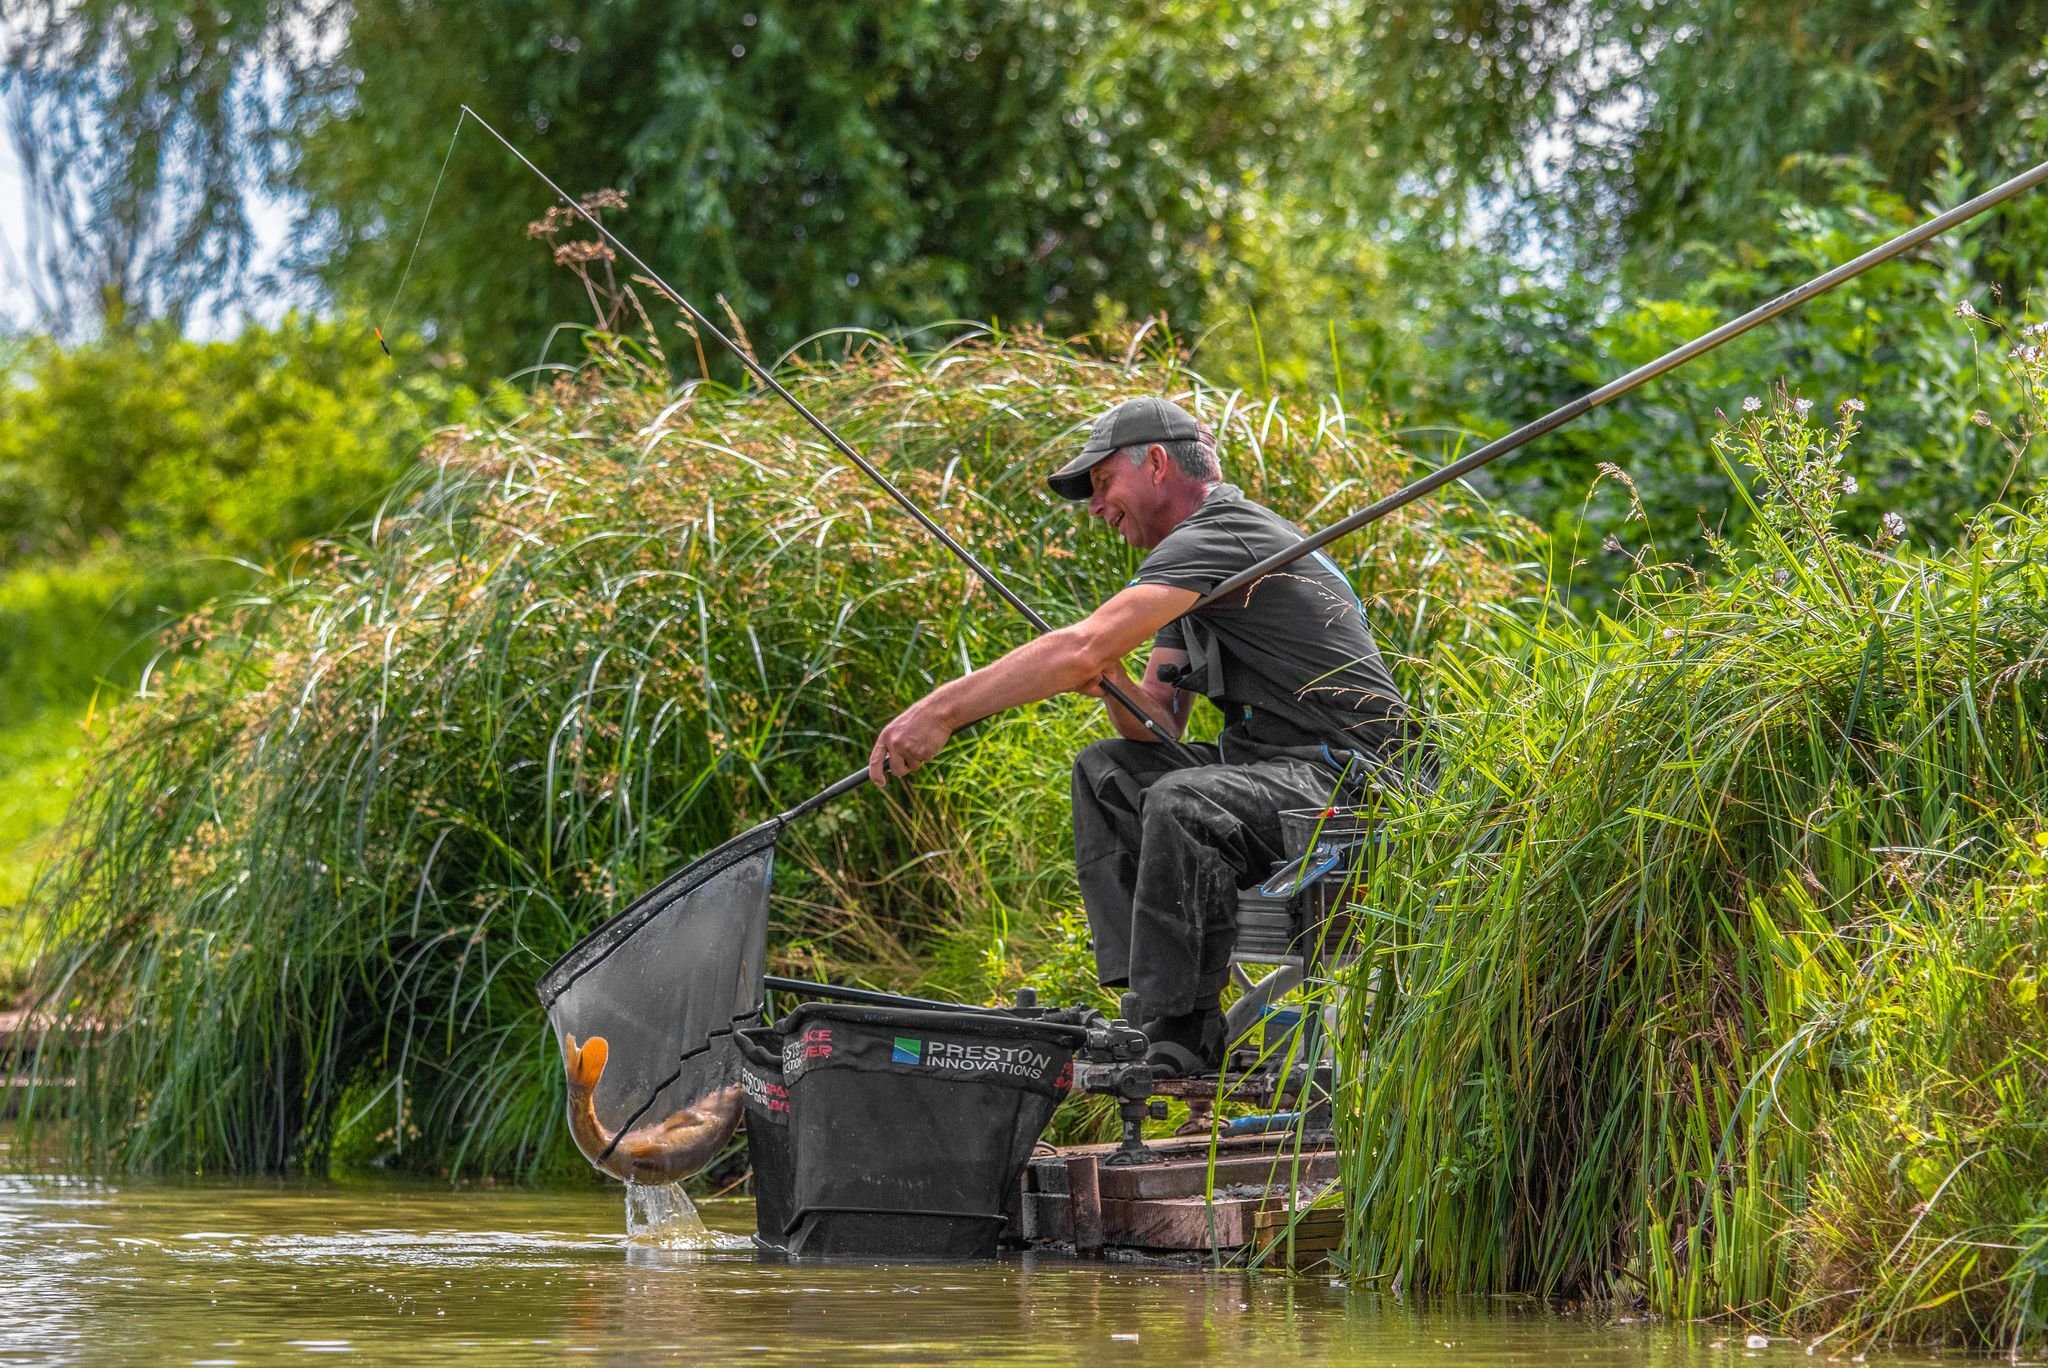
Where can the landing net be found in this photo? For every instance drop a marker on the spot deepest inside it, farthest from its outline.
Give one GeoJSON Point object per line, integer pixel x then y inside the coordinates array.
{"type": "Point", "coordinates": [663, 985]}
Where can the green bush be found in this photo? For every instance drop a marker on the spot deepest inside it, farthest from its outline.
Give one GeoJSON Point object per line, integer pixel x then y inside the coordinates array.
{"type": "Point", "coordinates": [70, 627]}
{"type": "Point", "coordinates": [238, 447]}
{"type": "Point", "coordinates": [1951, 417]}
{"type": "Point", "coordinates": [142, 475]}
{"type": "Point", "coordinates": [1466, 346]}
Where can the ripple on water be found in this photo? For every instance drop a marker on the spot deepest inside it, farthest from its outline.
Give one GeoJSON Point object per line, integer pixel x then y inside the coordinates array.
{"type": "Point", "coordinates": [257, 1272]}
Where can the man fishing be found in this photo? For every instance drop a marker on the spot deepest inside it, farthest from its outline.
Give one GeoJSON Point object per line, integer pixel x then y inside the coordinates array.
{"type": "Point", "coordinates": [1166, 833]}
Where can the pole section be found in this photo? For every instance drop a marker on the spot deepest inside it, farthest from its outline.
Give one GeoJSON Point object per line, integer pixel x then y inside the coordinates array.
{"type": "Point", "coordinates": [1614, 389]}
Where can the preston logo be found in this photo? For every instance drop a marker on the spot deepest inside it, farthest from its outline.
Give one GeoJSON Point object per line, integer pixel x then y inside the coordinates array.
{"type": "Point", "coordinates": [908, 1050]}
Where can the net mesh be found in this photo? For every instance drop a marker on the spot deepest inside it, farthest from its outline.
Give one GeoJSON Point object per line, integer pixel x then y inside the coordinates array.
{"type": "Point", "coordinates": [662, 986]}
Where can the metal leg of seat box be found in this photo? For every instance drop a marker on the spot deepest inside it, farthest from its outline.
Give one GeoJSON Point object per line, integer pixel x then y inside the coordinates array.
{"type": "Point", "coordinates": [1244, 1013]}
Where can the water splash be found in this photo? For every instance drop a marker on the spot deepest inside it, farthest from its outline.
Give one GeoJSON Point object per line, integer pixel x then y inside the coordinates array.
{"type": "Point", "coordinates": [662, 1216]}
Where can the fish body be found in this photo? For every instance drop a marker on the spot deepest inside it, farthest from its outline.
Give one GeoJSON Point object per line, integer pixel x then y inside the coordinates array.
{"type": "Point", "coordinates": [659, 1153]}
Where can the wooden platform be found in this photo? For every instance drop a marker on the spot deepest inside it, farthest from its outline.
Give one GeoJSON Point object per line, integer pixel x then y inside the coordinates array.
{"type": "Point", "coordinates": [1258, 1204]}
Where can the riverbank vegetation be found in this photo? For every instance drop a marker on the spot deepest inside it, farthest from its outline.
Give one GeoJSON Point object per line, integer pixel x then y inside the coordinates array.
{"type": "Point", "coordinates": [1710, 978]}
{"type": "Point", "coordinates": [325, 857]}
{"type": "Point", "coordinates": [140, 476]}
{"type": "Point", "coordinates": [1707, 980]}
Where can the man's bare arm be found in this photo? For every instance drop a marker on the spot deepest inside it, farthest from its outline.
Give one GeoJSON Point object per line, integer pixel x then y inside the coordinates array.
{"type": "Point", "coordinates": [1161, 701]}
{"type": "Point", "coordinates": [1061, 661]}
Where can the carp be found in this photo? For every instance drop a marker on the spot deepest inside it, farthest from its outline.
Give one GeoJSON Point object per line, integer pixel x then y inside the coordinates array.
{"type": "Point", "coordinates": [659, 1153]}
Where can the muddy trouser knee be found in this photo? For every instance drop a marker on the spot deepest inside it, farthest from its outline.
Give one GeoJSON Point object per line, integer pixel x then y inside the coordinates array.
{"type": "Point", "coordinates": [1162, 849]}
{"type": "Point", "coordinates": [1110, 780]}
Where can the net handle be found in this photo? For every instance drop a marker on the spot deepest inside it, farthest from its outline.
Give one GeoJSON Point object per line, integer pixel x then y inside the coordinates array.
{"type": "Point", "coordinates": [838, 789]}
{"type": "Point", "coordinates": [867, 997]}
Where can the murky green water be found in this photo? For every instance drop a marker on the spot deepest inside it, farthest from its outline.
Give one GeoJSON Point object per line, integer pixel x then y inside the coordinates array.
{"type": "Point", "coordinates": [244, 1272]}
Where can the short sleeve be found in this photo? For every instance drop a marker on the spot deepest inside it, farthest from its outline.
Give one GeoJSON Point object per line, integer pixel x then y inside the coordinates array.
{"type": "Point", "coordinates": [1196, 558]}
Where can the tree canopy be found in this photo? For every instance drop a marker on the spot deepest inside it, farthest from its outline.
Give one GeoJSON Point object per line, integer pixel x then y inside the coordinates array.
{"type": "Point", "coordinates": [1467, 210]}
{"type": "Point", "coordinates": [901, 161]}
{"type": "Point", "coordinates": [888, 163]}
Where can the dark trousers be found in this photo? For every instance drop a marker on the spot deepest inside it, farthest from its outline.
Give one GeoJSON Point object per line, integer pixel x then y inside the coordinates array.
{"type": "Point", "coordinates": [1162, 844]}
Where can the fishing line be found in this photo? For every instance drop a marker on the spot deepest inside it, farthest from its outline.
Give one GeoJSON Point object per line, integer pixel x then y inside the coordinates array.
{"type": "Point", "coordinates": [406, 274]}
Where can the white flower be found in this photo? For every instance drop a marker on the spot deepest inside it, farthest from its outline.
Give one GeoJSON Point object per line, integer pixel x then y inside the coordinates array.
{"type": "Point", "coordinates": [1852, 405]}
{"type": "Point", "coordinates": [2034, 330]}
{"type": "Point", "coordinates": [1751, 404]}
{"type": "Point", "coordinates": [1803, 406]}
{"type": "Point", "coordinates": [1894, 527]}
{"type": "Point", "coordinates": [1849, 485]}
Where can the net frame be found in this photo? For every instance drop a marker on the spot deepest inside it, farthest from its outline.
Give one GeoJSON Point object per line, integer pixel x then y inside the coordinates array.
{"type": "Point", "coordinates": [740, 974]}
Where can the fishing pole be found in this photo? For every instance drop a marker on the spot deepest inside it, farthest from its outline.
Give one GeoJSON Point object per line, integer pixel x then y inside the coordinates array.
{"type": "Point", "coordinates": [840, 444]}
{"type": "Point", "coordinates": [1614, 389]}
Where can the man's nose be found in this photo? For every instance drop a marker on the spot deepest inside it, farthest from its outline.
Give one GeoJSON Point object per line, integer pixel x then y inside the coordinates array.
{"type": "Point", "coordinates": [1096, 509]}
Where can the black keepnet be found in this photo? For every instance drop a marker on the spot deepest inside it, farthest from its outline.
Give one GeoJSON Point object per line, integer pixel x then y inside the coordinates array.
{"type": "Point", "coordinates": [666, 982]}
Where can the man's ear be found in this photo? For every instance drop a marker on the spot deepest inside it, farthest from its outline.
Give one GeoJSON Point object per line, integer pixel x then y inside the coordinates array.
{"type": "Point", "coordinates": [1158, 462]}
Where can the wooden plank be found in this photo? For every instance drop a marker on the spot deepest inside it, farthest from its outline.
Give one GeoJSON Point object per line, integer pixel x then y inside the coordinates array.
{"type": "Point", "coordinates": [1303, 1239]}
{"type": "Point", "coordinates": [1191, 1177]}
{"type": "Point", "coordinates": [1085, 1204]}
{"type": "Point", "coordinates": [21, 1032]}
{"type": "Point", "coordinates": [1318, 1219]}
{"type": "Point", "coordinates": [1300, 1240]}
{"type": "Point", "coordinates": [1256, 1183]}
{"type": "Point", "coordinates": [1186, 1147]}
{"type": "Point", "coordinates": [1307, 1260]}
{"type": "Point", "coordinates": [1188, 1223]}
{"type": "Point", "coordinates": [1178, 1223]}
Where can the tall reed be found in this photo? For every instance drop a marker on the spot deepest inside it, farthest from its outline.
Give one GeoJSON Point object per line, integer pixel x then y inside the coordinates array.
{"type": "Point", "coordinates": [324, 857]}
{"type": "Point", "coordinates": [1706, 980]}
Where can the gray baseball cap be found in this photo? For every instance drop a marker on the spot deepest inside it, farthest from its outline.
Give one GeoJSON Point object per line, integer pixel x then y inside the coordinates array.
{"type": "Point", "coordinates": [1134, 422]}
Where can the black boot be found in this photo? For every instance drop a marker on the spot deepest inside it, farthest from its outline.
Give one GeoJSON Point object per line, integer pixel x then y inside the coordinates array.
{"type": "Point", "coordinates": [1188, 1045]}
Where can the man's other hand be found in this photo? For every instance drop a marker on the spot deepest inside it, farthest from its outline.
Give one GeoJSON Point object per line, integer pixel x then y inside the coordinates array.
{"type": "Point", "coordinates": [1094, 686]}
{"type": "Point", "coordinates": [912, 737]}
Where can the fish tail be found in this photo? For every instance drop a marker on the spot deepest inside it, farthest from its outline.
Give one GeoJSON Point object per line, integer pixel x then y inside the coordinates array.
{"type": "Point", "coordinates": [584, 1065]}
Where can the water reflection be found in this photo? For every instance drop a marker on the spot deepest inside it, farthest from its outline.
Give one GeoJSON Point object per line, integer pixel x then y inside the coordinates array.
{"type": "Point", "coordinates": [248, 1272]}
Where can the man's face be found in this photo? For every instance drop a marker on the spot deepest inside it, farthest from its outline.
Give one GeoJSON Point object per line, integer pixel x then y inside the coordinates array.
{"type": "Point", "coordinates": [1132, 498]}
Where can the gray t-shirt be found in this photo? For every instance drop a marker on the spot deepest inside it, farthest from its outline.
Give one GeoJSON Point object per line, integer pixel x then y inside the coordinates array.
{"type": "Point", "coordinates": [1289, 659]}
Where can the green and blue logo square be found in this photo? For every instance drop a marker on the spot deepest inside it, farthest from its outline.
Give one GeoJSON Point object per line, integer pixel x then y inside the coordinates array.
{"type": "Point", "coordinates": [908, 1050]}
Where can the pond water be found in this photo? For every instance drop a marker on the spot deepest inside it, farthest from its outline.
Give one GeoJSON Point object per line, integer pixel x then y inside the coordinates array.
{"type": "Point", "coordinates": [256, 1272]}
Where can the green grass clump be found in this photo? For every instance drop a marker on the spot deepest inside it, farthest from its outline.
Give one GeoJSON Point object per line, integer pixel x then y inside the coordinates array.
{"type": "Point", "coordinates": [321, 863]}
{"type": "Point", "coordinates": [1928, 1219]}
{"type": "Point", "coordinates": [1704, 982]}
